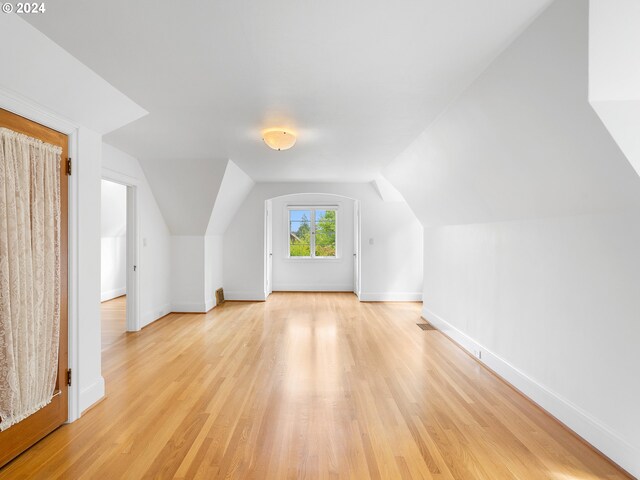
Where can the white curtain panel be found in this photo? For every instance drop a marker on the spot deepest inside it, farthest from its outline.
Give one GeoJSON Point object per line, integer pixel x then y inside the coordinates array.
{"type": "Point", "coordinates": [29, 274]}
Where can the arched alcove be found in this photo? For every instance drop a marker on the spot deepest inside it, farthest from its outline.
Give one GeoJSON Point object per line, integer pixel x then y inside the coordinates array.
{"type": "Point", "coordinates": [295, 257]}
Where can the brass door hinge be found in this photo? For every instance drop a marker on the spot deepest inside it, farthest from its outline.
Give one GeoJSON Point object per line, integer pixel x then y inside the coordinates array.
{"type": "Point", "coordinates": [68, 166]}
{"type": "Point", "coordinates": [68, 377]}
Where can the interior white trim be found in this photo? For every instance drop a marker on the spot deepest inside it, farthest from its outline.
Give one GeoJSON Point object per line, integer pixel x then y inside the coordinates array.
{"type": "Point", "coordinates": [151, 316]}
{"type": "Point", "coordinates": [390, 296]}
{"type": "Point", "coordinates": [209, 304]}
{"type": "Point", "coordinates": [312, 287]}
{"type": "Point", "coordinates": [189, 307]}
{"type": "Point", "coordinates": [246, 296]}
{"type": "Point", "coordinates": [288, 207]}
{"type": "Point", "coordinates": [92, 394]}
{"type": "Point", "coordinates": [111, 294]}
{"type": "Point", "coordinates": [19, 105]}
{"type": "Point", "coordinates": [590, 429]}
{"type": "Point", "coordinates": [118, 177]}
{"type": "Point", "coordinates": [133, 260]}
{"type": "Point", "coordinates": [134, 323]}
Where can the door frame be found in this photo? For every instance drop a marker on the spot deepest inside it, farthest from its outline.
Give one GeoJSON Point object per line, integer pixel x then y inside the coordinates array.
{"type": "Point", "coordinates": [357, 232]}
{"type": "Point", "coordinates": [268, 248]}
{"type": "Point", "coordinates": [133, 245]}
{"type": "Point", "coordinates": [357, 239]}
{"type": "Point", "coordinates": [27, 109]}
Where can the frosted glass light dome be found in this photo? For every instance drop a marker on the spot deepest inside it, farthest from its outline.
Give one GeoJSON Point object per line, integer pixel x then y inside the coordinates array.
{"type": "Point", "coordinates": [279, 139]}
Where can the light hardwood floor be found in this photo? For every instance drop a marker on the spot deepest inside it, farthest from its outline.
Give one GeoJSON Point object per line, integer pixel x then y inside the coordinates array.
{"type": "Point", "coordinates": [305, 386]}
{"type": "Point", "coordinates": [113, 320]}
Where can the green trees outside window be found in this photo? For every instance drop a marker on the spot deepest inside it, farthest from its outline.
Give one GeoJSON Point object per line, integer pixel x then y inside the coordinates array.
{"type": "Point", "coordinates": [312, 233]}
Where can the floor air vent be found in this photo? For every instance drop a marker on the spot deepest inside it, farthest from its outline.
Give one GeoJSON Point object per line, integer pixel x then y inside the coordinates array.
{"type": "Point", "coordinates": [426, 326]}
{"type": "Point", "coordinates": [219, 296]}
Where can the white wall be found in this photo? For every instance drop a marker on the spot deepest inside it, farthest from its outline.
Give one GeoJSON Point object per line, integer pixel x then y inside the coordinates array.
{"type": "Point", "coordinates": [291, 274]}
{"type": "Point", "coordinates": [113, 267]}
{"type": "Point", "coordinates": [113, 241]}
{"type": "Point", "coordinates": [87, 169]}
{"type": "Point", "coordinates": [542, 271]}
{"type": "Point", "coordinates": [177, 272]}
{"type": "Point", "coordinates": [614, 66]}
{"type": "Point", "coordinates": [614, 71]}
{"type": "Point", "coordinates": [197, 237]}
{"type": "Point", "coordinates": [187, 273]}
{"type": "Point", "coordinates": [553, 301]}
{"type": "Point", "coordinates": [213, 260]}
{"type": "Point", "coordinates": [154, 264]}
{"type": "Point", "coordinates": [234, 188]}
{"type": "Point", "coordinates": [391, 267]}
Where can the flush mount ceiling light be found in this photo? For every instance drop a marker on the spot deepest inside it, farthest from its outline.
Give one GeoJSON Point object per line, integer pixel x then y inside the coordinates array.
{"type": "Point", "coordinates": [279, 139]}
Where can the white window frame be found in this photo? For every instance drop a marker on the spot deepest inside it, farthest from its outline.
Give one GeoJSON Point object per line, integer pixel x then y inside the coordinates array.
{"type": "Point", "coordinates": [312, 221]}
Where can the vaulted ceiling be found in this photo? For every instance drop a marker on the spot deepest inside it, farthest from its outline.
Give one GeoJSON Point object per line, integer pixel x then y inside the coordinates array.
{"type": "Point", "coordinates": [522, 142]}
{"type": "Point", "coordinates": [357, 80]}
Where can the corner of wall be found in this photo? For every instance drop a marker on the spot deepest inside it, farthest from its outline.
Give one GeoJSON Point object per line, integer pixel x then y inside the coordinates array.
{"type": "Point", "coordinates": [391, 296]}
{"type": "Point", "coordinates": [153, 315]}
{"type": "Point", "coordinates": [91, 394]}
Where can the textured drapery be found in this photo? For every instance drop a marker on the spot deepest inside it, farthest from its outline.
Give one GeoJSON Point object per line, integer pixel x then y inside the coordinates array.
{"type": "Point", "coordinates": [29, 274]}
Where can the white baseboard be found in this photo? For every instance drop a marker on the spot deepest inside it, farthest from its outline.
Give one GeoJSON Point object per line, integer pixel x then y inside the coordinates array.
{"type": "Point", "coordinates": [246, 296]}
{"type": "Point", "coordinates": [91, 394]}
{"type": "Point", "coordinates": [209, 304]}
{"type": "Point", "coordinates": [391, 297]}
{"type": "Point", "coordinates": [582, 423]}
{"type": "Point", "coordinates": [297, 287]}
{"type": "Point", "coordinates": [110, 294]}
{"type": "Point", "coordinates": [189, 307]}
{"type": "Point", "coordinates": [151, 316]}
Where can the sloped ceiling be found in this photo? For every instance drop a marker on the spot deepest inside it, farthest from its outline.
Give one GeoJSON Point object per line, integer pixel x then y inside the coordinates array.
{"type": "Point", "coordinates": [522, 141]}
{"type": "Point", "coordinates": [614, 71]}
{"type": "Point", "coordinates": [358, 80]}
{"type": "Point", "coordinates": [234, 188]}
{"type": "Point", "coordinates": [69, 89]}
{"type": "Point", "coordinates": [386, 190]}
{"type": "Point", "coordinates": [186, 191]}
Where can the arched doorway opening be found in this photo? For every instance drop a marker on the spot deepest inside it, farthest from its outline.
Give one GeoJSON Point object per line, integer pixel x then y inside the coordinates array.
{"type": "Point", "coordinates": [312, 243]}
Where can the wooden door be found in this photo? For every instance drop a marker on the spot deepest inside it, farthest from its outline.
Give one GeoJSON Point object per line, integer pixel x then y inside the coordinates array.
{"type": "Point", "coordinates": [17, 438]}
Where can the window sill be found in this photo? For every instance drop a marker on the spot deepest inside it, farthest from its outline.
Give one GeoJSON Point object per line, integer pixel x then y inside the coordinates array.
{"type": "Point", "coordinates": [313, 259]}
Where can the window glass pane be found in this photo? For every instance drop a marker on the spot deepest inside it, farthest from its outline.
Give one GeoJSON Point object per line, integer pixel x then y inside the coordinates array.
{"type": "Point", "coordinates": [325, 233]}
{"type": "Point", "coordinates": [300, 233]}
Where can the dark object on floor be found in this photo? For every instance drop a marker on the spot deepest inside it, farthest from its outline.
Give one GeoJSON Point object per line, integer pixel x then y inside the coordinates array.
{"type": "Point", "coordinates": [426, 326]}
{"type": "Point", "coordinates": [219, 296]}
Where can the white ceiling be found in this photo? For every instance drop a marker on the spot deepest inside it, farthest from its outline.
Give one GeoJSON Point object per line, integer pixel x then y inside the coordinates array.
{"type": "Point", "coordinates": [358, 80]}
{"type": "Point", "coordinates": [522, 142]}
{"type": "Point", "coordinates": [36, 71]}
{"type": "Point", "coordinates": [186, 193]}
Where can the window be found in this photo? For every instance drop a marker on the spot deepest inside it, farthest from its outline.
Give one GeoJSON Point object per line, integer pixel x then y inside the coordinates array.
{"type": "Point", "coordinates": [312, 232]}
